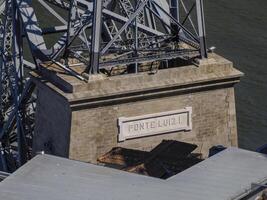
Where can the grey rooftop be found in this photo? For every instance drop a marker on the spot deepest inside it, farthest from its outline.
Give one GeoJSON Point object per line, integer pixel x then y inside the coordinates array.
{"type": "Point", "coordinates": [226, 175]}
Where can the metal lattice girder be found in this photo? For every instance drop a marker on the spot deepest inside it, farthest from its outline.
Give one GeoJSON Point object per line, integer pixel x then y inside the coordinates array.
{"type": "Point", "coordinates": [32, 30]}
{"type": "Point", "coordinates": [128, 9]}
{"type": "Point", "coordinates": [13, 126]}
{"type": "Point", "coordinates": [99, 34]}
{"type": "Point", "coordinates": [126, 25]}
{"type": "Point", "coordinates": [6, 43]}
{"type": "Point", "coordinates": [112, 28]}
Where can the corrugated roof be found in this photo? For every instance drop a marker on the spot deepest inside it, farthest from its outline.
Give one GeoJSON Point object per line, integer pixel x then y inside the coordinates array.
{"type": "Point", "coordinates": [221, 177]}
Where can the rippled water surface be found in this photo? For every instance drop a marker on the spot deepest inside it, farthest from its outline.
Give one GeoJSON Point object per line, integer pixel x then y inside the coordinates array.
{"type": "Point", "coordinates": [238, 28]}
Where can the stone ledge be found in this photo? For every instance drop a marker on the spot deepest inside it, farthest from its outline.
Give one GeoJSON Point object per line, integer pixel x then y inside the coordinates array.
{"type": "Point", "coordinates": [214, 72]}
{"type": "Point", "coordinates": [129, 97]}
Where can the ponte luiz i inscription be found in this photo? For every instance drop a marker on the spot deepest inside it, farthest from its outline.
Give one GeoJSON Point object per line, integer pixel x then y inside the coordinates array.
{"type": "Point", "coordinates": [154, 124]}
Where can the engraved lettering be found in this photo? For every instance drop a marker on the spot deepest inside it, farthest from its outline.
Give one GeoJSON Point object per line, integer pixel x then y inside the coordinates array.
{"type": "Point", "coordinates": [142, 126]}
{"type": "Point", "coordinates": [130, 127]}
{"type": "Point", "coordinates": [173, 121]}
{"type": "Point", "coordinates": [159, 124]}
{"type": "Point", "coordinates": [135, 127]}
{"type": "Point", "coordinates": [147, 125]}
{"type": "Point", "coordinates": [153, 124]}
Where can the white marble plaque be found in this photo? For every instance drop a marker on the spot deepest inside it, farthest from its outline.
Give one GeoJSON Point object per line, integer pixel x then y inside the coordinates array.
{"type": "Point", "coordinates": [154, 124]}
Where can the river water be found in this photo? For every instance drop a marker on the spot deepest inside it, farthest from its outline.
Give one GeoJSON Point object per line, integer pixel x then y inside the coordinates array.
{"type": "Point", "coordinates": [238, 29]}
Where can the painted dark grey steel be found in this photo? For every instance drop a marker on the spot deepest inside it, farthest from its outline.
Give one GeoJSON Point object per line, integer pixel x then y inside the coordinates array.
{"type": "Point", "coordinates": [201, 27]}
{"type": "Point", "coordinates": [99, 34]}
{"type": "Point", "coordinates": [96, 37]}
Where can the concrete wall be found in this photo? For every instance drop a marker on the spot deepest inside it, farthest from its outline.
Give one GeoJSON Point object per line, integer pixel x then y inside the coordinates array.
{"type": "Point", "coordinates": [83, 125]}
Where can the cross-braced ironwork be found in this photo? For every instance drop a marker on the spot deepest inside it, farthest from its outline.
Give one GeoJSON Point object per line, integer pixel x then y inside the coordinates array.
{"type": "Point", "coordinates": [100, 35]}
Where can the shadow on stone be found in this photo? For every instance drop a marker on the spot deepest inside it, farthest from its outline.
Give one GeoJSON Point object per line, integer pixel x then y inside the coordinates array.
{"type": "Point", "coordinates": [165, 160]}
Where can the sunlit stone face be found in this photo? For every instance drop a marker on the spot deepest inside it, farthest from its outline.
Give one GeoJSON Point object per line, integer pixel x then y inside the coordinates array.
{"type": "Point", "coordinates": [154, 124]}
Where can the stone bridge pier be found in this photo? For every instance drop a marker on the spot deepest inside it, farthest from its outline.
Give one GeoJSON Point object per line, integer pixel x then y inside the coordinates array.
{"type": "Point", "coordinates": [83, 121]}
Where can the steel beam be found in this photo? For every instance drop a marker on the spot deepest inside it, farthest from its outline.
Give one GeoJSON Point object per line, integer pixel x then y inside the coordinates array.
{"type": "Point", "coordinates": [174, 11]}
{"type": "Point", "coordinates": [32, 29]}
{"type": "Point", "coordinates": [96, 38]}
{"type": "Point", "coordinates": [142, 31]}
{"type": "Point", "coordinates": [201, 28]}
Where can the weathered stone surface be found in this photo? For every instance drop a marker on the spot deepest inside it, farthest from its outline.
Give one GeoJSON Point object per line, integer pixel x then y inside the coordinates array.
{"type": "Point", "coordinates": [154, 124]}
{"type": "Point", "coordinates": [87, 118]}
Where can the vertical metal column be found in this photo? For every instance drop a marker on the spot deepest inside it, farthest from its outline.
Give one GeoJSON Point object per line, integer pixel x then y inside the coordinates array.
{"type": "Point", "coordinates": [14, 80]}
{"type": "Point", "coordinates": [201, 28]}
{"type": "Point", "coordinates": [150, 17]}
{"type": "Point", "coordinates": [136, 38]}
{"type": "Point", "coordinates": [174, 10]}
{"type": "Point", "coordinates": [5, 47]}
{"type": "Point", "coordinates": [71, 21]}
{"type": "Point", "coordinates": [96, 38]}
{"type": "Point", "coordinates": [18, 46]}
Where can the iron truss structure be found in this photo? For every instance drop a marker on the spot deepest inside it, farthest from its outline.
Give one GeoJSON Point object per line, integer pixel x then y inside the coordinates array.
{"type": "Point", "coordinates": [100, 35]}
